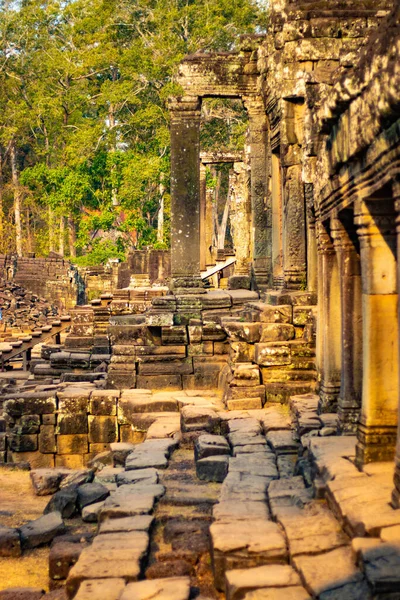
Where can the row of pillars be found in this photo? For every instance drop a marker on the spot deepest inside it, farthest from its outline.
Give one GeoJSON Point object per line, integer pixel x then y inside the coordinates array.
{"type": "Point", "coordinates": [277, 236]}
{"type": "Point", "coordinates": [358, 325]}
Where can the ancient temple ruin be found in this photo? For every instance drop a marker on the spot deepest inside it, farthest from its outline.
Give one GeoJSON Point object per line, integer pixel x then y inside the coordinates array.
{"type": "Point", "coordinates": [243, 439]}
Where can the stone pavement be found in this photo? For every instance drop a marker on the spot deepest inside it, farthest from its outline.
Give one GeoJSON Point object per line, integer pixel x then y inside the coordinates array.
{"type": "Point", "coordinates": [252, 504]}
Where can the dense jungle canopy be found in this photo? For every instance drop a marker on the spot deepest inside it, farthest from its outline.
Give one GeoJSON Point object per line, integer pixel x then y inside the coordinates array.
{"type": "Point", "coordinates": [84, 138]}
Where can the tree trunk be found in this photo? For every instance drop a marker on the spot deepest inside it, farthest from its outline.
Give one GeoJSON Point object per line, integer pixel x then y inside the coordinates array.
{"type": "Point", "coordinates": [17, 198]}
{"type": "Point", "coordinates": [160, 221]}
{"type": "Point", "coordinates": [2, 249]}
{"type": "Point", "coordinates": [29, 244]}
{"type": "Point", "coordinates": [50, 218]}
{"type": "Point", "coordinates": [61, 247]}
{"type": "Point", "coordinates": [72, 237]}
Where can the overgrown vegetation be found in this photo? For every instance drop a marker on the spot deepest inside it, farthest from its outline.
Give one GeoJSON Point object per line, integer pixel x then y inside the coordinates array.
{"type": "Point", "coordinates": [84, 139]}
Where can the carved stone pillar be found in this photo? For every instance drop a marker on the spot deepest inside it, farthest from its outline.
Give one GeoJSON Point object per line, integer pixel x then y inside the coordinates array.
{"type": "Point", "coordinates": [276, 196]}
{"type": "Point", "coordinates": [203, 217]}
{"type": "Point", "coordinates": [312, 259]}
{"type": "Point", "coordinates": [294, 230]}
{"type": "Point", "coordinates": [396, 491]}
{"type": "Point", "coordinates": [329, 323]}
{"type": "Point", "coordinates": [376, 433]}
{"type": "Point", "coordinates": [185, 195]}
{"type": "Point", "coordinates": [260, 201]}
{"type": "Point", "coordinates": [345, 243]}
{"type": "Point", "coordinates": [240, 225]}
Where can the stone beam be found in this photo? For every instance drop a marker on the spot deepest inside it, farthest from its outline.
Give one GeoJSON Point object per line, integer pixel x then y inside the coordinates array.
{"type": "Point", "coordinates": [221, 74]}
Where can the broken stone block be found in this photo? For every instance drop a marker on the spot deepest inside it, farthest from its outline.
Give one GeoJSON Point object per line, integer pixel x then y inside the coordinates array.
{"type": "Point", "coordinates": [129, 505]}
{"type": "Point", "coordinates": [243, 545]}
{"type": "Point", "coordinates": [63, 555]}
{"type": "Point", "coordinates": [286, 593]}
{"type": "Point", "coordinates": [140, 476]}
{"type": "Point", "coordinates": [199, 418]}
{"type": "Point", "coordinates": [171, 588]}
{"type": "Point", "coordinates": [21, 593]}
{"type": "Point", "coordinates": [41, 531]}
{"type": "Point", "coordinates": [210, 445]}
{"type": "Point", "coordinates": [10, 544]}
{"type": "Point", "coordinates": [328, 571]}
{"type": "Point", "coordinates": [241, 352]}
{"type": "Point", "coordinates": [104, 563]}
{"type": "Point", "coordinates": [381, 565]}
{"type": "Point", "coordinates": [212, 468]}
{"type": "Point", "coordinates": [101, 589]}
{"type": "Point", "coordinates": [272, 354]}
{"type": "Point", "coordinates": [45, 481]}
{"type": "Point", "coordinates": [282, 442]}
{"type": "Point", "coordinates": [108, 475]}
{"type": "Point", "coordinates": [145, 460]}
{"type": "Point", "coordinates": [76, 477]}
{"type": "Point", "coordinates": [127, 524]}
{"type": "Point", "coordinates": [241, 581]}
{"type": "Point", "coordinates": [103, 402]}
{"type": "Point", "coordinates": [63, 502]}
{"type": "Point", "coordinates": [90, 513]}
{"type": "Point", "coordinates": [242, 332]}
{"type": "Point", "coordinates": [120, 451]}
{"type": "Point", "coordinates": [91, 493]}
{"type": "Point", "coordinates": [276, 332]}
{"type": "Point", "coordinates": [245, 375]}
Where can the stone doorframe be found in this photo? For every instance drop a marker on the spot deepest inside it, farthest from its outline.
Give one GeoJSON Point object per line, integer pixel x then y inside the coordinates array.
{"type": "Point", "coordinates": [217, 75]}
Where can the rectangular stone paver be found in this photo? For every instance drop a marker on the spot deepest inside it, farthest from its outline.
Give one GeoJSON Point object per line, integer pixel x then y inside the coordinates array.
{"type": "Point", "coordinates": [241, 581]}
{"type": "Point", "coordinates": [171, 588]}
{"type": "Point", "coordinates": [287, 593]}
{"type": "Point", "coordinates": [328, 571]}
{"type": "Point", "coordinates": [241, 511]}
{"type": "Point", "coordinates": [100, 589]}
{"type": "Point", "coordinates": [245, 544]}
{"type": "Point", "coordinates": [137, 523]}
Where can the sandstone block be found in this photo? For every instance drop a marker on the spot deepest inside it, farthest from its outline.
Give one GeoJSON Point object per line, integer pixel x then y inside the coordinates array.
{"type": "Point", "coordinates": [199, 418]}
{"type": "Point", "coordinates": [103, 402]}
{"type": "Point", "coordinates": [103, 429]}
{"type": "Point", "coordinates": [241, 581]}
{"type": "Point", "coordinates": [210, 445]}
{"type": "Point", "coordinates": [10, 544]}
{"type": "Point", "coordinates": [41, 531]}
{"type": "Point", "coordinates": [63, 555]}
{"type": "Point", "coordinates": [101, 589]}
{"type": "Point", "coordinates": [212, 468]}
{"type": "Point", "coordinates": [72, 423]}
{"type": "Point", "coordinates": [171, 588]}
{"type": "Point", "coordinates": [73, 400]}
{"type": "Point", "coordinates": [160, 382]}
{"type": "Point", "coordinates": [23, 443]}
{"type": "Point", "coordinates": [242, 332]}
{"type": "Point", "coordinates": [72, 444]}
{"type": "Point", "coordinates": [276, 332]}
{"type": "Point", "coordinates": [47, 439]}
{"type": "Point", "coordinates": [271, 354]}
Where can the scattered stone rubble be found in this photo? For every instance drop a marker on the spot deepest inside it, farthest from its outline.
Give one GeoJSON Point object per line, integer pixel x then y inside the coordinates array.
{"type": "Point", "coordinates": [251, 503]}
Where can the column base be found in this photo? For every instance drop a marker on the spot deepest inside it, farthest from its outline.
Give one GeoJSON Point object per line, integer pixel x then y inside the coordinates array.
{"type": "Point", "coordinates": [396, 491]}
{"type": "Point", "coordinates": [348, 419]}
{"type": "Point", "coordinates": [239, 282]}
{"type": "Point", "coordinates": [328, 397]}
{"type": "Point", "coordinates": [184, 285]}
{"type": "Point", "coordinates": [295, 279]}
{"type": "Point", "coordinates": [375, 444]}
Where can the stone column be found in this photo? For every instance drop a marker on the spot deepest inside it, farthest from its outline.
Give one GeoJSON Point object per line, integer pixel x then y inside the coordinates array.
{"type": "Point", "coordinates": [396, 491]}
{"type": "Point", "coordinates": [329, 323]}
{"type": "Point", "coordinates": [240, 223]}
{"type": "Point", "coordinates": [185, 194]}
{"type": "Point", "coordinates": [376, 433]}
{"type": "Point", "coordinates": [276, 199]}
{"type": "Point", "coordinates": [261, 212]}
{"type": "Point", "coordinates": [203, 217]}
{"type": "Point", "coordinates": [294, 230]}
{"type": "Point", "coordinates": [346, 246]}
{"type": "Point", "coordinates": [210, 217]}
{"type": "Point", "coordinates": [312, 259]}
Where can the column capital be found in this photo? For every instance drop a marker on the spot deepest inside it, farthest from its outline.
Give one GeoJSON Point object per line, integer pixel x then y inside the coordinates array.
{"type": "Point", "coordinates": [339, 235]}
{"type": "Point", "coordinates": [324, 240]}
{"type": "Point", "coordinates": [184, 107]}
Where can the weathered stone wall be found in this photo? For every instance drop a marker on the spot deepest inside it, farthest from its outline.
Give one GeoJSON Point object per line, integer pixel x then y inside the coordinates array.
{"type": "Point", "coordinates": [52, 278]}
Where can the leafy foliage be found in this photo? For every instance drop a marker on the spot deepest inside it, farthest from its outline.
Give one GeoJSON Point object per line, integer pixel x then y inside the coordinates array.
{"type": "Point", "coordinates": [83, 89]}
